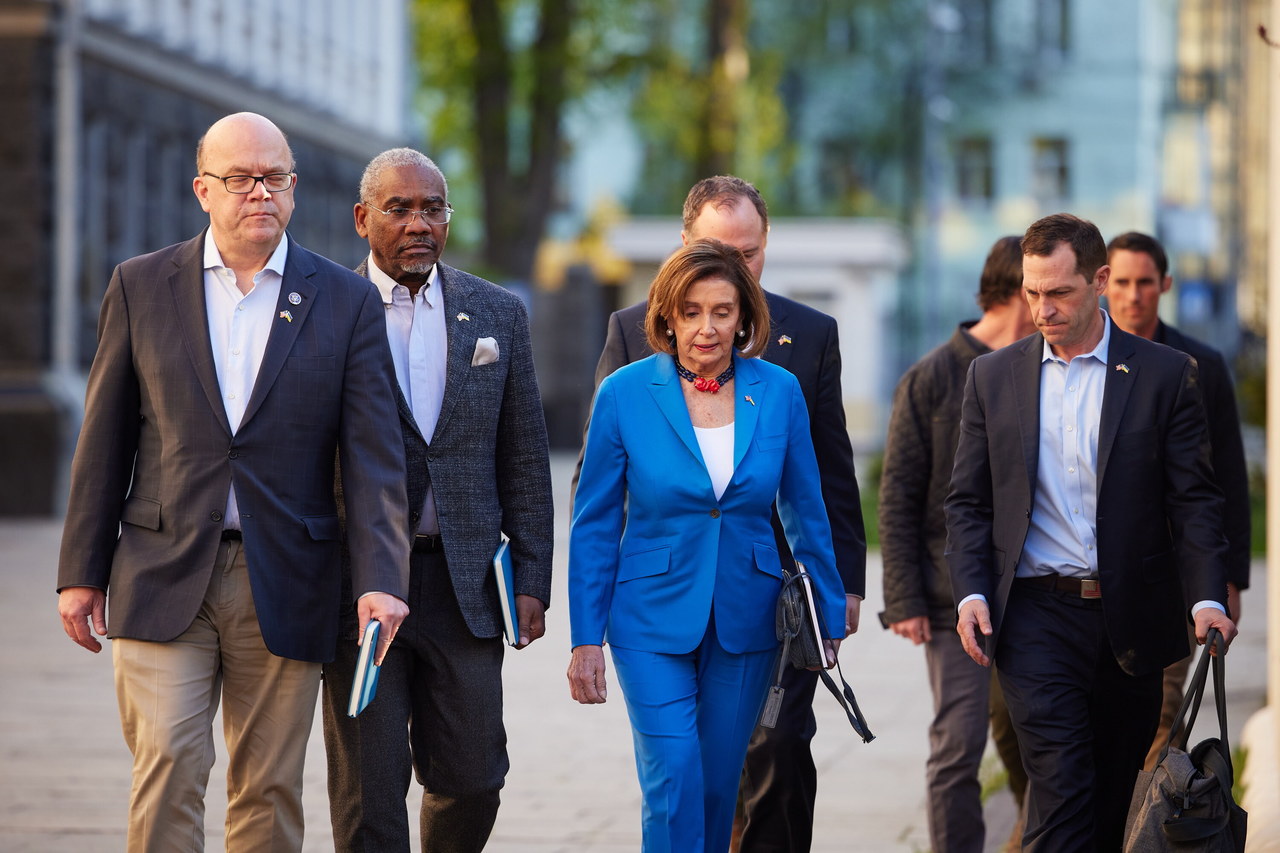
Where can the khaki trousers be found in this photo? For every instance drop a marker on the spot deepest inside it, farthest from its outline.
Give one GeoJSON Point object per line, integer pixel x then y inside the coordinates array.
{"type": "Point", "coordinates": [168, 695]}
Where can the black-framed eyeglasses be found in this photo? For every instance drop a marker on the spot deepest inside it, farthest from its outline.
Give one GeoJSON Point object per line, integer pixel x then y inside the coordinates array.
{"type": "Point", "coordinates": [436, 214]}
{"type": "Point", "coordinates": [276, 182]}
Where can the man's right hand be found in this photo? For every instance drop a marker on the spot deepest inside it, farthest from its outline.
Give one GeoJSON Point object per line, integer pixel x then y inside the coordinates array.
{"type": "Point", "coordinates": [78, 606]}
{"type": "Point", "coordinates": [974, 618]}
{"type": "Point", "coordinates": [915, 629]}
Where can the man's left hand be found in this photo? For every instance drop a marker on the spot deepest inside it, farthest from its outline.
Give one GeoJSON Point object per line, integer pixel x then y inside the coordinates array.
{"type": "Point", "coordinates": [529, 612]}
{"type": "Point", "coordinates": [852, 609]}
{"type": "Point", "coordinates": [1212, 617]}
{"type": "Point", "coordinates": [388, 610]}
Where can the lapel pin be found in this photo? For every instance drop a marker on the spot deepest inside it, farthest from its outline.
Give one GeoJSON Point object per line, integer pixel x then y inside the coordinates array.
{"type": "Point", "coordinates": [463, 315]}
{"type": "Point", "coordinates": [749, 400]}
{"type": "Point", "coordinates": [1123, 367]}
{"type": "Point", "coordinates": [295, 298]}
{"type": "Point", "coordinates": [285, 315]}
{"type": "Point", "coordinates": [785, 339]}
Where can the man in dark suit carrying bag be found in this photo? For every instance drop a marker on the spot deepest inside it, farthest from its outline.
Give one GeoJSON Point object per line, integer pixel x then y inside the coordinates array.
{"type": "Point", "coordinates": [1082, 520]}
{"type": "Point", "coordinates": [779, 780]}
{"type": "Point", "coordinates": [230, 369]}
{"type": "Point", "coordinates": [475, 445]}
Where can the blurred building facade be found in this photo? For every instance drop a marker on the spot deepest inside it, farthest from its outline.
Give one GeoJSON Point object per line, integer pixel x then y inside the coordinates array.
{"type": "Point", "coordinates": [966, 120]}
{"type": "Point", "coordinates": [1133, 115]}
{"type": "Point", "coordinates": [105, 100]}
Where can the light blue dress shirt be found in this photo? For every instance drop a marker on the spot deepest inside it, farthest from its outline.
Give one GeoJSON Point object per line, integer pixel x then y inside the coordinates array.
{"type": "Point", "coordinates": [417, 335]}
{"type": "Point", "coordinates": [1063, 535]}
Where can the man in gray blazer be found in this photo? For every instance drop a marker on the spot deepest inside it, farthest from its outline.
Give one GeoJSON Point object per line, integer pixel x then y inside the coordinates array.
{"type": "Point", "coordinates": [475, 443]}
{"type": "Point", "coordinates": [230, 369]}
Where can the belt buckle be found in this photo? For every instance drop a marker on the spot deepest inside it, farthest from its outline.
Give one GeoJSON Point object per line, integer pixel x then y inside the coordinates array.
{"type": "Point", "coordinates": [1090, 588]}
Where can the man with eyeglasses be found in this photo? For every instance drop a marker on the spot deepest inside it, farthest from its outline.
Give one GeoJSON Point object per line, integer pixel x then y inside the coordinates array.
{"type": "Point", "coordinates": [230, 370]}
{"type": "Point", "coordinates": [475, 448]}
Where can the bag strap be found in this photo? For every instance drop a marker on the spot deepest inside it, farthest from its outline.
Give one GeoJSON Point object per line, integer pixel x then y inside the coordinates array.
{"type": "Point", "coordinates": [848, 702]}
{"type": "Point", "coordinates": [1178, 733]}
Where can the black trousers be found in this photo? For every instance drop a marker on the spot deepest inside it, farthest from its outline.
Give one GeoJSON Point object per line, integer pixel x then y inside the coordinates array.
{"type": "Point", "coordinates": [779, 781]}
{"type": "Point", "coordinates": [437, 712]}
{"type": "Point", "coordinates": [1083, 724]}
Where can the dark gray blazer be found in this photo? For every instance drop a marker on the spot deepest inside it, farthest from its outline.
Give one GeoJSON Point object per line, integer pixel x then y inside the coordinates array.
{"type": "Point", "coordinates": [488, 462]}
{"type": "Point", "coordinates": [156, 455]}
{"type": "Point", "coordinates": [1159, 513]}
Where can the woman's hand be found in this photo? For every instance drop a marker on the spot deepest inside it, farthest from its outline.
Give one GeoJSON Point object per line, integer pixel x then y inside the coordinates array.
{"type": "Point", "coordinates": [831, 647]}
{"type": "Point", "coordinates": [586, 675]}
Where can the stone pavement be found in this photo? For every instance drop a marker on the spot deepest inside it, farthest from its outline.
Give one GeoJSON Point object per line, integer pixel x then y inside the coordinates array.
{"type": "Point", "coordinates": [64, 770]}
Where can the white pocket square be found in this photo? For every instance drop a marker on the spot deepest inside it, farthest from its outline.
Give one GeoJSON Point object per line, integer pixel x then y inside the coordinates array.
{"type": "Point", "coordinates": [486, 352]}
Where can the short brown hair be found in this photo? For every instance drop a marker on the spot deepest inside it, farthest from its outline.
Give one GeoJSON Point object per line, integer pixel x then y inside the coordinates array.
{"type": "Point", "coordinates": [698, 261]}
{"type": "Point", "coordinates": [1001, 274]}
{"type": "Point", "coordinates": [1044, 236]}
{"type": "Point", "coordinates": [724, 191]}
{"type": "Point", "coordinates": [1136, 241]}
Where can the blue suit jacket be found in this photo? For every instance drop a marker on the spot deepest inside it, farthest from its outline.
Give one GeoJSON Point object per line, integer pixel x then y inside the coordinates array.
{"type": "Point", "coordinates": [652, 551]}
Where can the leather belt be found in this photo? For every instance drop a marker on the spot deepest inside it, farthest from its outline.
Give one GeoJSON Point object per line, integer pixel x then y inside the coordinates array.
{"type": "Point", "coordinates": [423, 543]}
{"type": "Point", "coordinates": [1084, 587]}
{"type": "Point", "coordinates": [230, 535]}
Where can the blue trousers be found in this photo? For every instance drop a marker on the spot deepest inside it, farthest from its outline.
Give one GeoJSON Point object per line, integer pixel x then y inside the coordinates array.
{"type": "Point", "coordinates": [691, 719]}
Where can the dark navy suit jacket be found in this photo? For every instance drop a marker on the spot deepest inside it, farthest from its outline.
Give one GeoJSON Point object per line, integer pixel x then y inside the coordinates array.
{"type": "Point", "coordinates": [156, 455]}
{"type": "Point", "coordinates": [1159, 513]}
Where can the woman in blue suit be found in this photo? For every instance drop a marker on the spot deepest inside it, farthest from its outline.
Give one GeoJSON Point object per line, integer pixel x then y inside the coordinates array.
{"type": "Point", "coordinates": [672, 558]}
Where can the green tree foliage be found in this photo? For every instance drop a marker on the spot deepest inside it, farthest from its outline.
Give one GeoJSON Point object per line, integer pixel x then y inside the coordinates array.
{"type": "Point", "coordinates": [817, 107]}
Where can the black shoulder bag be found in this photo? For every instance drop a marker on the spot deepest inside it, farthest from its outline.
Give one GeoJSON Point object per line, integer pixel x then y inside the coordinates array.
{"type": "Point", "coordinates": [1185, 804]}
{"type": "Point", "coordinates": [797, 621]}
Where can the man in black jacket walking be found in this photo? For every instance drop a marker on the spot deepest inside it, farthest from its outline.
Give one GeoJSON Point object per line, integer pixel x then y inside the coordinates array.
{"type": "Point", "coordinates": [919, 452]}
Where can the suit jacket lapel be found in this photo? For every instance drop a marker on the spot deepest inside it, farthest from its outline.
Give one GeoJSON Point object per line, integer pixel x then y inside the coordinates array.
{"type": "Point", "coordinates": [298, 270]}
{"type": "Point", "coordinates": [192, 315]}
{"type": "Point", "coordinates": [746, 413]}
{"type": "Point", "coordinates": [667, 393]}
{"type": "Point", "coordinates": [775, 352]}
{"type": "Point", "coordinates": [461, 341]}
{"type": "Point", "coordinates": [1115, 394]}
{"type": "Point", "coordinates": [402, 405]}
{"type": "Point", "coordinates": [1026, 387]}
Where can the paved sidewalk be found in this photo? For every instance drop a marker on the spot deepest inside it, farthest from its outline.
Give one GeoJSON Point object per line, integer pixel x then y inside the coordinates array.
{"type": "Point", "coordinates": [64, 770]}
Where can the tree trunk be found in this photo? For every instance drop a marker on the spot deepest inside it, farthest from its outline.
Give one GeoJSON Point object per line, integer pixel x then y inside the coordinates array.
{"type": "Point", "coordinates": [729, 65]}
{"type": "Point", "coordinates": [517, 203]}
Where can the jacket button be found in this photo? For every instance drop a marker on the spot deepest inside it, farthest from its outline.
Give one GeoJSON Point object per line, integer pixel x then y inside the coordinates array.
{"type": "Point", "coordinates": [715, 513]}
{"type": "Point", "coordinates": [234, 454]}
{"type": "Point", "coordinates": [215, 516]}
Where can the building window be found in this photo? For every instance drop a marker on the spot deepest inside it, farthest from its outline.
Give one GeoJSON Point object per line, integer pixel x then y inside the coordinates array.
{"type": "Point", "coordinates": [1053, 29]}
{"type": "Point", "coordinates": [975, 178]}
{"type": "Point", "coordinates": [1051, 171]}
{"type": "Point", "coordinates": [979, 42]}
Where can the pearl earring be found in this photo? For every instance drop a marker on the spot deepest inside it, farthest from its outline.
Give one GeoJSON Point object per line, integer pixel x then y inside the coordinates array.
{"type": "Point", "coordinates": [670, 333]}
{"type": "Point", "coordinates": [742, 333]}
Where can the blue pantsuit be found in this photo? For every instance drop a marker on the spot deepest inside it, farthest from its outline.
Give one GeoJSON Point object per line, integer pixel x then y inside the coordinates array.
{"type": "Point", "coordinates": [683, 585]}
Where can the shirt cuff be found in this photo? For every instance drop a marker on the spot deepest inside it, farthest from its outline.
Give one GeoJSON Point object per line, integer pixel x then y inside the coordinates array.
{"type": "Point", "coordinates": [977, 596]}
{"type": "Point", "coordinates": [1201, 605]}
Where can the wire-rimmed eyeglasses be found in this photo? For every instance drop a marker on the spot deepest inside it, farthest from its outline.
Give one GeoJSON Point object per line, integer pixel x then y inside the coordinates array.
{"type": "Point", "coordinates": [436, 214]}
{"type": "Point", "coordinates": [276, 182]}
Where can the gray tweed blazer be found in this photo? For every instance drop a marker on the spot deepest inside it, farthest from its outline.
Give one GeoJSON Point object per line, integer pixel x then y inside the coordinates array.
{"type": "Point", "coordinates": [487, 461]}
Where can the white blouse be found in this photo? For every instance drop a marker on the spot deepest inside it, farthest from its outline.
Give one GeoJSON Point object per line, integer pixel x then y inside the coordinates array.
{"type": "Point", "coordinates": [716, 444]}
